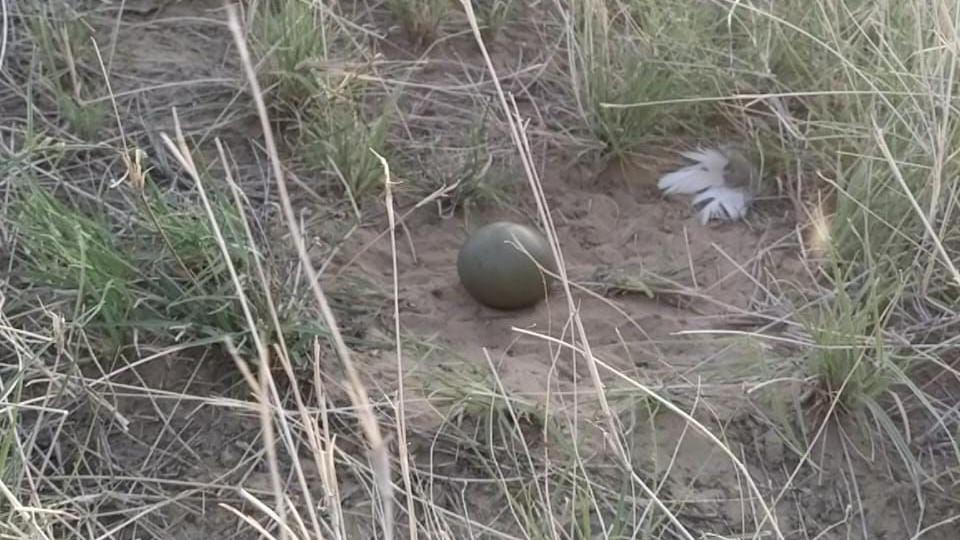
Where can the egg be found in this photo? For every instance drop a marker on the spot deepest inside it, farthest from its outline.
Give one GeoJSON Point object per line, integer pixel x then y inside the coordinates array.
{"type": "Point", "coordinates": [497, 274]}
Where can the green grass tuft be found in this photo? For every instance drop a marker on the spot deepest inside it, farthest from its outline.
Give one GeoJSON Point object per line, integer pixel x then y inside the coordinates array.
{"type": "Point", "coordinates": [636, 55]}
{"type": "Point", "coordinates": [63, 42]}
{"type": "Point", "coordinates": [494, 15]}
{"type": "Point", "coordinates": [291, 37]}
{"type": "Point", "coordinates": [315, 80]}
{"type": "Point", "coordinates": [850, 357]}
{"type": "Point", "coordinates": [337, 138]}
{"type": "Point", "coordinates": [420, 19]}
{"type": "Point", "coordinates": [70, 250]}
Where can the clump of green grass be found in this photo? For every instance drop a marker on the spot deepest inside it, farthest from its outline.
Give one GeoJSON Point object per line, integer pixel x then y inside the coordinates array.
{"type": "Point", "coordinates": [482, 186]}
{"type": "Point", "coordinates": [850, 358]}
{"type": "Point", "coordinates": [337, 139]}
{"type": "Point", "coordinates": [292, 37]}
{"type": "Point", "coordinates": [164, 275]}
{"type": "Point", "coordinates": [188, 235]}
{"type": "Point", "coordinates": [316, 73]}
{"type": "Point", "coordinates": [200, 292]}
{"type": "Point", "coordinates": [472, 175]}
{"type": "Point", "coordinates": [877, 134]}
{"type": "Point", "coordinates": [626, 59]}
{"type": "Point", "coordinates": [9, 420]}
{"type": "Point", "coordinates": [858, 95]}
{"type": "Point", "coordinates": [85, 119]}
{"type": "Point", "coordinates": [858, 365]}
{"type": "Point", "coordinates": [63, 41]}
{"type": "Point", "coordinates": [420, 19]}
{"type": "Point", "coordinates": [72, 251]}
{"type": "Point", "coordinates": [874, 224]}
{"type": "Point", "coordinates": [187, 270]}
{"type": "Point", "coordinates": [493, 15]}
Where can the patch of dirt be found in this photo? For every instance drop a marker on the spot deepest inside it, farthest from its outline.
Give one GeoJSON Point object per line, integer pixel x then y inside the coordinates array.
{"type": "Point", "coordinates": [614, 220]}
{"type": "Point", "coordinates": [603, 231]}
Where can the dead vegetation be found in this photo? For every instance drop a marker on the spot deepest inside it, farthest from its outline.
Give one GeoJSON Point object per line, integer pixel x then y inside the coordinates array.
{"type": "Point", "coordinates": [222, 318]}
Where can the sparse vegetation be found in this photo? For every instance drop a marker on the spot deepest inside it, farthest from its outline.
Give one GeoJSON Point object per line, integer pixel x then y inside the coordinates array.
{"type": "Point", "coordinates": [420, 19]}
{"type": "Point", "coordinates": [470, 177]}
{"type": "Point", "coordinates": [169, 367]}
{"type": "Point", "coordinates": [337, 140]}
{"type": "Point", "coordinates": [318, 76]}
{"type": "Point", "coordinates": [293, 39]}
{"type": "Point", "coordinates": [65, 66]}
{"type": "Point", "coordinates": [68, 250]}
{"type": "Point", "coordinates": [850, 357]}
{"type": "Point", "coordinates": [493, 15]}
{"type": "Point", "coordinates": [643, 55]}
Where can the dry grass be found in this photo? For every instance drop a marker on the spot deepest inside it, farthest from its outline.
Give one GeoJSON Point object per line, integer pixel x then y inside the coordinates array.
{"type": "Point", "coordinates": [185, 350]}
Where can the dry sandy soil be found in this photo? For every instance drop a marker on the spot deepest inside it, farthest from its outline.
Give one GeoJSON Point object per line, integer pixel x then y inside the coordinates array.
{"type": "Point", "coordinates": [190, 450]}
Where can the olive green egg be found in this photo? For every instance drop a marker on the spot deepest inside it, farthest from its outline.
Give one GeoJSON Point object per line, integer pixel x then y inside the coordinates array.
{"type": "Point", "coordinates": [498, 274]}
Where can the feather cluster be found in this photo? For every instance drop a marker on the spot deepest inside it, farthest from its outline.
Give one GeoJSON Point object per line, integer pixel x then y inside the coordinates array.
{"type": "Point", "coordinates": [720, 191]}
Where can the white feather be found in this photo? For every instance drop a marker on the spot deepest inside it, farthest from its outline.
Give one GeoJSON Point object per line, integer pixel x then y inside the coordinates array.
{"type": "Point", "coordinates": [718, 196]}
{"type": "Point", "coordinates": [711, 157]}
{"type": "Point", "coordinates": [722, 203]}
{"type": "Point", "coordinates": [707, 172]}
